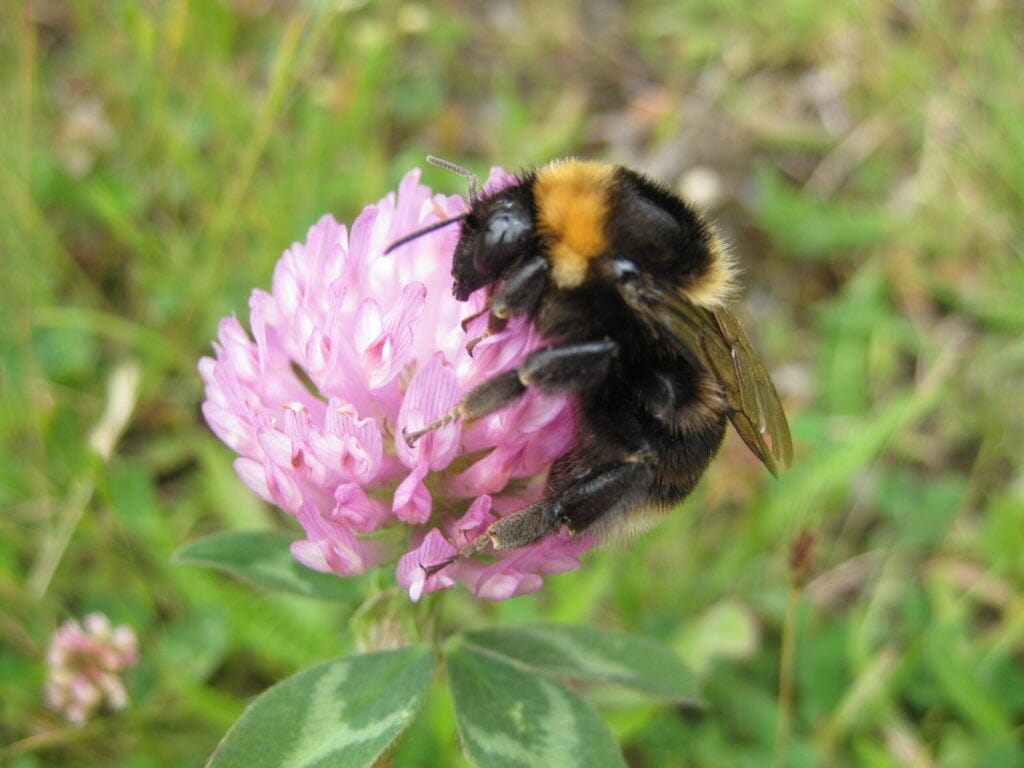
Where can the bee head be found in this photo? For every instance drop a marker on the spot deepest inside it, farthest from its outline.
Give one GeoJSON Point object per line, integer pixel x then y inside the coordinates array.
{"type": "Point", "coordinates": [497, 234]}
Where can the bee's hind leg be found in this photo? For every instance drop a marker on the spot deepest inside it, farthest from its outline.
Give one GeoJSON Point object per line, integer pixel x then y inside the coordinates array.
{"type": "Point", "coordinates": [603, 493]}
{"type": "Point", "coordinates": [574, 500]}
{"type": "Point", "coordinates": [606, 492]}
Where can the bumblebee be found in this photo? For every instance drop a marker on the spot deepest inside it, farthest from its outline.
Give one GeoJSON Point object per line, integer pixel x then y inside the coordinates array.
{"type": "Point", "coordinates": [631, 288]}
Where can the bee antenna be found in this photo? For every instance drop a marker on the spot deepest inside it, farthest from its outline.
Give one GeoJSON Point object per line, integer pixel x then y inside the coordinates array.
{"type": "Point", "coordinates": [448, 165]}
{"type": "Point", "coordinates": [421, 232]}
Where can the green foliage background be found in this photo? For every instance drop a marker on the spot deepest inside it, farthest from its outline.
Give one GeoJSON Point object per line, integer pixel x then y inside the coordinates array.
{"type": "Point", "coordinates": [867, 161]}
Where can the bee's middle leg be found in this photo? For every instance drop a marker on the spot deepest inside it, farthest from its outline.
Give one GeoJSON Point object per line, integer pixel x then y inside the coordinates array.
{"type": "Point", "coordinates": [558, 368]}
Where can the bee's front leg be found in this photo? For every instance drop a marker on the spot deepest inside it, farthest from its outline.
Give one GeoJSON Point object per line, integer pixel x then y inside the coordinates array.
{"type": "Point", "coordinates": [518, 295]}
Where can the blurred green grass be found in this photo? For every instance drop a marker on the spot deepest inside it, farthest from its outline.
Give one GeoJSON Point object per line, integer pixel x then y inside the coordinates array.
{"type": "Point", "coordinates": [868, 164]}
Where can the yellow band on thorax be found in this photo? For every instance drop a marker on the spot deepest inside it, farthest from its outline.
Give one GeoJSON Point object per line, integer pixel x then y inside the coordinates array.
{"type": "Point", "coordinates": [572, 199]}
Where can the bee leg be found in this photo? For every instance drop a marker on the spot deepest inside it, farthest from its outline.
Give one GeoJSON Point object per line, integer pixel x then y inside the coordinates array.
{"type": "Point", "coordinates": [471, 344]}
{"type": "Point", "coordinates": [565, 368]}
{"type": "Point", "coordinates": [601, 494]}
{"type": "Point", "coordinates": [568, 367]}
{"type": "Point", "coordinates": [467, 320]}
{"type": "Point", "coordinates": [519, 529]}
{"type": "Point", "coordinates": [485, 398]}
{"type": "Point", "coordinates": [520, 292]}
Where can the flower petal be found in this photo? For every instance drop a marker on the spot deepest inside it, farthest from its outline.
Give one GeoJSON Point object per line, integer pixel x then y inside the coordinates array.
{"type": "Point", "coordinates": [357, 510]}
{"type": "Point", "coordinates": [255, 478]}
{"type": "Point", "coordinates": [330, 547]}
{"type": "Point", "coordinates": [467, 528]}
{"type": "Point", "coordinates": [348, 350]}
{"type": "Point", "coordinates": [412, 502]}
{"type": "Point", "coordinates": [351, 449]}
{"type": "Point", "coordinates": [433, 392]}
{"type": "Point", "coordinates": [385, 343]}
{"type": "Point", "coordinates": [411, 572]}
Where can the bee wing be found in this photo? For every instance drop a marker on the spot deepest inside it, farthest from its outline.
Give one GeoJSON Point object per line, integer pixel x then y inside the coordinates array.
{"type": "Point", "coordinates": [715, 341]}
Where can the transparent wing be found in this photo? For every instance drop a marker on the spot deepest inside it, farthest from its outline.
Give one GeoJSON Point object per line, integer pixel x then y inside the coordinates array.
{"type": "Point", "coordinates": [715, 340]}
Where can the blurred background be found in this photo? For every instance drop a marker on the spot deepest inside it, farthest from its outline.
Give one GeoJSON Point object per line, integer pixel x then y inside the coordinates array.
{"type": "Point", "coordinates": [865, 158]}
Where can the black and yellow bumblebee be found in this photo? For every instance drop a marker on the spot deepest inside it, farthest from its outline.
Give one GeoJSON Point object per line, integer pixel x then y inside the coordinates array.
{"type": "Point", "coordinates": [631, 288]}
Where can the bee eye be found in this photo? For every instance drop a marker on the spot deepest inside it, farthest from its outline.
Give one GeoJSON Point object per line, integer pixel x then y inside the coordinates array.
{"type": "Point", "coordinates": [501, 241]}
{"type": "Point", "coordinates": [504, 228]}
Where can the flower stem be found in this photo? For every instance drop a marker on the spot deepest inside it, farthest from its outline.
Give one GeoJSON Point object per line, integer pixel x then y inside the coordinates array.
{"type": "Point", "coordinates": [784, 722]}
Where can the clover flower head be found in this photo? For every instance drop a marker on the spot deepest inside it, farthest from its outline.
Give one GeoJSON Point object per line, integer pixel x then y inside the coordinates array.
{"type": "Point", "coordinates": [85, 662]}
{"type": "Point", "coordinates": [349, 349]}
